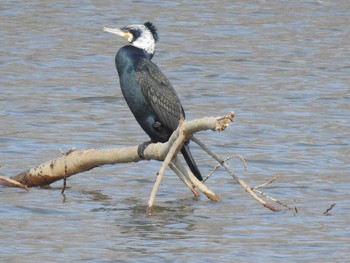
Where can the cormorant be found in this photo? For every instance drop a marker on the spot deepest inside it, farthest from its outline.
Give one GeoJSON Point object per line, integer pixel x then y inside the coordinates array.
{"type": "Point", "coordinates": [149, 94]}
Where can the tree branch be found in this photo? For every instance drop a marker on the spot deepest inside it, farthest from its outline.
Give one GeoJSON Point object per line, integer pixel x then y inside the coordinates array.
{"type": "Point", "coordinates": [11, 183]}
{"type": "Point", "coordinates": [77, 161]}
{"type": "Point", "coordinates": [250, 190]}
{"type": "Point", "coordinates": [176, 146]}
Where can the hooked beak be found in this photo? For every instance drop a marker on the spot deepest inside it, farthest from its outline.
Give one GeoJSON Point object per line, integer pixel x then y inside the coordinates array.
{"type": "Point", "coordinates": [128, 36]}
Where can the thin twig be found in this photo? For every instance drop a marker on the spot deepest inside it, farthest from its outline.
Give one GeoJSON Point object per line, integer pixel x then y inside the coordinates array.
{"type": "Point", "coordinates": [271, 198]}
{"type": "Point", "coordinates": [245, 186]}
{"type": "Point", "coordinates": [64, 184]}
{"type": "Point", "coordinates": [295, 206]}
{"type": "Point", "coordinates": [329, 209]}
{"type": "Point", "coordinates": [255, 189]}
{"type": "Point", "coordinates": [227, 159]}
{"type": "Point", "coordinates": [266, 183]}
{"type": "Point", "coordinates": [65, 170]}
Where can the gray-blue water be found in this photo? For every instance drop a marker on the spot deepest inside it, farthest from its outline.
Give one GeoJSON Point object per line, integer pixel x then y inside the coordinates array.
{"type": "Point", "coordinates": [282, 66]}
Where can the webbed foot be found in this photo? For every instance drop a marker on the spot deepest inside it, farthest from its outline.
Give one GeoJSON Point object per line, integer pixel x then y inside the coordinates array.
{"type": "Point", "coordinates": [142, 147]}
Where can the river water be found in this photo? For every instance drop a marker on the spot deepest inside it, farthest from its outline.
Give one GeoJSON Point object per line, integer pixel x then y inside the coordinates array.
{"type": "Point", "coordinates": [282, 66]}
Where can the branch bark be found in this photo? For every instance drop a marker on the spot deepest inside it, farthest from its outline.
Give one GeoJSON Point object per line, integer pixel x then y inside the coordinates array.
{"type": "Point", "coordinates": [76, 161]}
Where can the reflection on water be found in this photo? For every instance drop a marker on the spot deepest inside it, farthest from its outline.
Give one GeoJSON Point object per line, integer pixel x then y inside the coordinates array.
{"type": "Point", "coordinates": [281, 66]}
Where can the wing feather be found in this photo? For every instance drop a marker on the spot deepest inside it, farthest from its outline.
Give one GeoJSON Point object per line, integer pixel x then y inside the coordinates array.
{"type": "Point", "coordinates": [159, 94]}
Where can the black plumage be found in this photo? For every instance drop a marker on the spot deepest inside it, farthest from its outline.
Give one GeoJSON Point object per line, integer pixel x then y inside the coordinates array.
{"type": "Point", "coordinates": [148, 93]}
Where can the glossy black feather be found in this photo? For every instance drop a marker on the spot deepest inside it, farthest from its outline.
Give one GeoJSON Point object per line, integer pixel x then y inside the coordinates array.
{"type": "Point", "coordinates": [159, 94]}
{"type": "Point", "coordinates": [151, 97]}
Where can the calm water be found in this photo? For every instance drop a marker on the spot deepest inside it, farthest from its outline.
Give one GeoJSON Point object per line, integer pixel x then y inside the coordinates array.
{"type": "Point", "coordinates": [282, 66]}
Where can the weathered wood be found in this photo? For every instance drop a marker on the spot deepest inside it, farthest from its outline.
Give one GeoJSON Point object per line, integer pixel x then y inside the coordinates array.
{"type": "Point", "coordinates": [77, 161]}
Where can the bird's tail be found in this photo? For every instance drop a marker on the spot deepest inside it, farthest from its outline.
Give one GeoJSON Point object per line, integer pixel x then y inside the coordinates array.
{"type": "Point", "coordinates": [190, 161]}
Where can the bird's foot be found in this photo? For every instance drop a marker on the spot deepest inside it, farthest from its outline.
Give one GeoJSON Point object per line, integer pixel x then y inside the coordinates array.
{"type": "Point", "coordinates": [142, 147]}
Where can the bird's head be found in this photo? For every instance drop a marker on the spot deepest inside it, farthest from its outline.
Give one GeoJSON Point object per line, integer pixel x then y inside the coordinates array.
{"type": "Point", "coordinates": [141, 36]}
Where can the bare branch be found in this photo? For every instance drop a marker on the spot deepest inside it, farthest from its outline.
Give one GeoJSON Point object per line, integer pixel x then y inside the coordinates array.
{"type": "Point", "coordinates": [271, 198]}
{"type": "Point", "coordinates": [245, 186]}
{"type": "Point", "coordinates": [176, 146]}
{"type": "Point", "coordinates": [266, 183]}
{"type": "Point", "coordinates": [77, 161]}
{"type": "Point", "coordinates": [219, 165]}
{"type": "Point", "coordinates": [200, 186]}
{"type": "Point", "coordinates": [12, 183]}
{"type": "Point", "coordinates": [74, 162]}
{"type": "Point", "coordinates": [184, 179]}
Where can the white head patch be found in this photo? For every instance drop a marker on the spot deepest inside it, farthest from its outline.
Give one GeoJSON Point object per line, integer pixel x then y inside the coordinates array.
{"type": "Point", "coordinates": [142, 38]}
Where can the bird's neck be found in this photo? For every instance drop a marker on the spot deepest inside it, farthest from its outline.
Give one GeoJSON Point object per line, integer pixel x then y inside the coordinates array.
{"type": "Point", "coordinates": [143, 52]}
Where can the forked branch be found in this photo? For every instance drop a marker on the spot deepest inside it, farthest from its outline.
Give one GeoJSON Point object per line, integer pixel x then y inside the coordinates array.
{"type": "Point", "coordinates": [77, 161]}
{"type": "Point", "coordinates": [250, 190]}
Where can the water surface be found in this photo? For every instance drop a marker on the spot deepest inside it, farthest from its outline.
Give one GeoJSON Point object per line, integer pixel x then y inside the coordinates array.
{"type": "Point", "coordinates": [282, 66]}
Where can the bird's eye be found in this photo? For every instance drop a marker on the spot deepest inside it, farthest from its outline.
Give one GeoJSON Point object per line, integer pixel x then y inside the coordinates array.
{"type": "Point", "coordinates": [125, 29]}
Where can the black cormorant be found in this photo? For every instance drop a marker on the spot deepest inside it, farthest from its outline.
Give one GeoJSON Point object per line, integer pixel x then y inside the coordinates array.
{"type": "Point", "coordinates": [149, 94]}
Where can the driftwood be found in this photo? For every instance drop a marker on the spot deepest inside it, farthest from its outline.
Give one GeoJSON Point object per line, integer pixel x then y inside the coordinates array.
{"type": "Point", "coordinates": [77, 161]}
